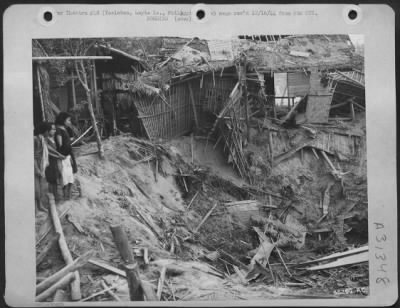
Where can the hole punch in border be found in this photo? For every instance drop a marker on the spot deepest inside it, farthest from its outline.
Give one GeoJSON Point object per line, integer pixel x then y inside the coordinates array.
{"type": "Point", "coordinates": [200, 13]}
{"type": "Point", "coordinates": [352, 14]}
{"type": "Point", "coordinates": [46, 16]}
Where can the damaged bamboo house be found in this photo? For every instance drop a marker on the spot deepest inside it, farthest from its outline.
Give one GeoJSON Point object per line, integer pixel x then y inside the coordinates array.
{"type": "Point", "coordinates": [243, 159]}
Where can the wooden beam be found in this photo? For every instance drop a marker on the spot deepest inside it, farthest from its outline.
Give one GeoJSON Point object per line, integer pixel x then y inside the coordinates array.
{"type": "Point", "coordinates": [75, 284]}
{"type": "Point", "coordinates": [72, 58]}
{"type": "Point", "coordinates": [73, 91]}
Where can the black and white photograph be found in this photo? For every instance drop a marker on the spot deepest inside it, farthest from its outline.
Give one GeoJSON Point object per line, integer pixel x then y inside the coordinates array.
{"type": "Point", "coordinates": [177, 168]}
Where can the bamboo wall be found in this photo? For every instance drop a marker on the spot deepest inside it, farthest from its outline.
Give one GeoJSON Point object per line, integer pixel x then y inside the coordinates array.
{"type": "Point", "coordinates": [170, 117]}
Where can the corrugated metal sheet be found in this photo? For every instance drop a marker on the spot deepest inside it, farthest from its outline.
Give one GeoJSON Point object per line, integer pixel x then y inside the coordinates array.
{"type": "Point", "coordinates": [298, 83]}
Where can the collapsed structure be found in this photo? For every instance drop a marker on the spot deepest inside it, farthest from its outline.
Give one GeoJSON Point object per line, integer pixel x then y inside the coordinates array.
{"type": "Point", "coordinates": [287, 113]}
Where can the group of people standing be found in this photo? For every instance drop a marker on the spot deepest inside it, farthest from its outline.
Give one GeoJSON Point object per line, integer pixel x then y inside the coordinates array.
{"type": "Point", "coordinates": [54, 159]}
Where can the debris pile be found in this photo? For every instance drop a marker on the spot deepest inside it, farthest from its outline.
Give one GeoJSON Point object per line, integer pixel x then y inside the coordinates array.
{"type": "Point", "coordinates": [243, 176]}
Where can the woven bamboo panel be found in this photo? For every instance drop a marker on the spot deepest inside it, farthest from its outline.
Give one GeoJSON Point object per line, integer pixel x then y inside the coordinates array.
{"type": "Point", "coordinates": [168, 117]}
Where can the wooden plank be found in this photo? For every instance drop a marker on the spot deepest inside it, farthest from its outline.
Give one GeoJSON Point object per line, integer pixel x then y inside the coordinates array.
{"type": "Point", "coordinates": [72, 58]}
{"type": "Point", "coordinates": [348, 260]}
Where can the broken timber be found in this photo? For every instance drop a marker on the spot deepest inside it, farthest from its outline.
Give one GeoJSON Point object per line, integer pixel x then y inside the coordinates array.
{"type": "Point", "coordinates": [205, 218]}
{"type": "Point", "coordinates": [75, 284]}
{"type": "Point", "coordinates": [132, 275]}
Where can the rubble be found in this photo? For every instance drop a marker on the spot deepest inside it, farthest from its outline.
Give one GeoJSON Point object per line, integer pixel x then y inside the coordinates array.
{"type": "Point", "coordinates": [255, 200]}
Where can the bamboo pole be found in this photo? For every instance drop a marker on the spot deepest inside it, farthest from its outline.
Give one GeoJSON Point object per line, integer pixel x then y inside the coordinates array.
{"type": "Point", "coordinates": [68, 279]}
{"type": "Point", "coordinates": [75, 284]}
{"type": "Point", "coordinates": [48, 282]}
{"type": "Point", "coordinates": [161, 282]}
{"type": "Point", "coordinates": [132, 275]}
{"type": "Point", "coordinates": [205, 218]}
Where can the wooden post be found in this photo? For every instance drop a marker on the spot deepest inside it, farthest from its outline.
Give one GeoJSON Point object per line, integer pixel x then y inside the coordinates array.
{"type": "Point", "coordinates": [75, 284]}
{"type": "Point", "coordinates": [73, 90]}
{"type": "Point", "coordinates": [132, 275]}
{"type": "Point", "coordinates": [96, 129]}
{"type": "Point", "coordinates": [40, 93]}
{"type": "Point", "coordinates": [196, 120]}
{"type": "Point", "coordinates": [94, 80]}
{"type": "Point", "coordinates": [353, 114]}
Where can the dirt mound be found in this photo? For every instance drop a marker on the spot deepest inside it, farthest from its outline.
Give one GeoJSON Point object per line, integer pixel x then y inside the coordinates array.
{"type": "Point", "coordinates": [192, 218]}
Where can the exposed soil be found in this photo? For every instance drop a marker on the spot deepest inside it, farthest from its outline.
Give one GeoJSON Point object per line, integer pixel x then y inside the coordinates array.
{"type": "Point", "coordinates": [152, 206]}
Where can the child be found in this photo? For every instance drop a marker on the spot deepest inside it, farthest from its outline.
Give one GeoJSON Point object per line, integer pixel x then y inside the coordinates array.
{"type": "Point", "coordinates": [63, 140]}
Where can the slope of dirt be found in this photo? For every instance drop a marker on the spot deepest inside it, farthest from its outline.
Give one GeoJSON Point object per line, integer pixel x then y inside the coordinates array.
{"type": "Point", "coordinates": [161, 202]}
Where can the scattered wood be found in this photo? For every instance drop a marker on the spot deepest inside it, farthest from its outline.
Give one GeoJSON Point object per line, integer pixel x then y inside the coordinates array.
{"type": "Point", "coordinates": [183, 179]}
{"type": "Point", "coordinates": [191, 201]}
{"type": "Point", "coordinates": [283, 261]}
{"type": "Point", "coordinates": [240, 275]}
{"type": "Point", "coordinates": [291, 152]}
{"type": "Point", "coordinates": [315, 153]}
{"type": "Point", "coordinates": [326, 200]}
{"type": "Point", "coordinates": [75, 283]}
{"type": "Point", "coordinates": [49, 246]}
{"type": "Point", "coordinates": [82, 135]}
{"type": "Point", "coordinates": [48, 226]}
{"type": "Point", "coordinates": [75, 223]}
{"type": "Point", "coordinates": [336, 255]}
{"type": "Point", "coordinates": [205, 218]}
{"type": "Point", "coordinates": [161, 282]}
{"type": "Point", "coordinates": [109, 292]}
{"type": "Point", "coordinates": [132, 275]}
{"type": "Point", "coordinates": [348, 260]}
{"type": "Point", "coordinates": [290, 113]}
{"type": "Point", "coordinates": [60, 296]}
{"type": "Point", "coordinates": [299, 53]}
{"type": "Point", "coordinates": [145, 255]}
{"type": "Point", "coordinates": [62, 283]}
{"type": "Point", "coordinates": [78, 263]}
{"type": "Point", "coordinates": [353, 113]}
{"type": "Point", "coordinates": [101, 292]}
{"type": "Point", "coordinates": [215, 272]}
